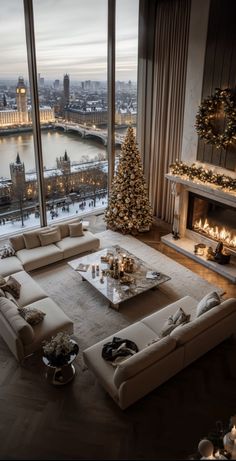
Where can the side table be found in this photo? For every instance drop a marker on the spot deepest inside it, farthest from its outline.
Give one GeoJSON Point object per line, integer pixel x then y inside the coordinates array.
{"type": "Point", "coordinates": [58, 375]}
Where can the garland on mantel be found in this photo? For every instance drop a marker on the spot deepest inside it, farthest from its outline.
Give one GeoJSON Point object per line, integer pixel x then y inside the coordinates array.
{"type": "Point", "coordinates": [207, 112]}
{"type": "Point", "coordinates": [204, 175]}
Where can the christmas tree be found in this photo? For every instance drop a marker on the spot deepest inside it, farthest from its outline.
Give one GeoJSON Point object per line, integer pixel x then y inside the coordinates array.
{"type": "Point", "coordinates": [129, 209]}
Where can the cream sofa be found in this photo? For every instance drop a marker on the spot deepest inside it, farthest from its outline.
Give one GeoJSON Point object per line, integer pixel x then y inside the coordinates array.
{"type": "Point", "coordinates": [31, 254]}
{"type": "Point", "coordinates": [22, 338]}
{"type": "Point", "coordinates": [156, 363]}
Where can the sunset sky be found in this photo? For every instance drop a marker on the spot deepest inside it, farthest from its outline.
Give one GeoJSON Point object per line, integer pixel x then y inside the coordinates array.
{"type": "Point", "coordinates": [71, 37]}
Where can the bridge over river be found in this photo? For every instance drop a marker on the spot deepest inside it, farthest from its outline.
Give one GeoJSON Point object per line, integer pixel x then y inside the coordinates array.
{"type": "Point", "coordinates": [86, 132]}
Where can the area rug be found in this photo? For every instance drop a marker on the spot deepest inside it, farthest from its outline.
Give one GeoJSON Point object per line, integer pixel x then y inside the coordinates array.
{"type": "Point", "coordinates": [93, 318]}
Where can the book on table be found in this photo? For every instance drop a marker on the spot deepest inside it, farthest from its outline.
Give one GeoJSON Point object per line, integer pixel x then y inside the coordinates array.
{"type": "Point", "coordinates": [82, 267]}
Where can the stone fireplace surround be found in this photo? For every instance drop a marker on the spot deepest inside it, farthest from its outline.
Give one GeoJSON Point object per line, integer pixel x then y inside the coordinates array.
{"type": "Point", "coordinates": [188, 238]}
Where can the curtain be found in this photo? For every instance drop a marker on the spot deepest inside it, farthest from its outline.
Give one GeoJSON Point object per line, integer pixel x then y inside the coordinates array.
{"type": "Point", "coordinates": [163, 48]}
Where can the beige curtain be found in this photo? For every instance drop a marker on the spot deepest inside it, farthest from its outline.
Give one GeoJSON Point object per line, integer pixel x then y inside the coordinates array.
{"type": "Point", "coordinates": [164, 79]}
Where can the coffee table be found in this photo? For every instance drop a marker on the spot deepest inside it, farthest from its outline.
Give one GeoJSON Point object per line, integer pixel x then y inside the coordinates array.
{"type": "Point", "coordinates": [114, 289]}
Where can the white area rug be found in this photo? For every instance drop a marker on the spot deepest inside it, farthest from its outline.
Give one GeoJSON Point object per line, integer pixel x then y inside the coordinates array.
{"type": "Point", "coordinates": [93, 318]}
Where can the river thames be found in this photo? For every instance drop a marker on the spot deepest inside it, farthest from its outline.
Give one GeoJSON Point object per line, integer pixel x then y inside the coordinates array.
{"type": "Point", "coordinates": [54, 144]}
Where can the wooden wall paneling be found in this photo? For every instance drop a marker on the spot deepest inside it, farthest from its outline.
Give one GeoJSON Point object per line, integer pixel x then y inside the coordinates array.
{"type": "Point", "coordinates": [219, 72]}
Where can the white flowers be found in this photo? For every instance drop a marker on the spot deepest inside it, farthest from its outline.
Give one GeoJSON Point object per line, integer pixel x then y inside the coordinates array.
{"type": "Point", "coordinates": [60, 344]}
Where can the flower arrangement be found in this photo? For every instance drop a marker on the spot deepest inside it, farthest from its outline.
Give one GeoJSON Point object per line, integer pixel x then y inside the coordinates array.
{"type": "Point", "coordinates": [59, 349]}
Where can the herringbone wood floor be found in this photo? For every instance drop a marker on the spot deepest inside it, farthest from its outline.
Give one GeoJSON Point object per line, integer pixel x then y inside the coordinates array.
{"type": "Point", "coordinates": [80, 421]}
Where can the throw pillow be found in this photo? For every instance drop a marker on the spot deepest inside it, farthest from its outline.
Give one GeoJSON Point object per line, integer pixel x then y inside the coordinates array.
{"type": "Point", "coordinates": [212, 299]}
{"type": "Point", "coordinates": [76, 229]}
{"type": "Point", "coordinates": [6, 250]}
{"type": "Point", "coordinates": [173, 321]}
{"type": "Point", "coordinates": [32, 315]}
{"type": "Point", "coordinates": [50, 236]}
{"type": "Point", "coordinates": [17, 242]}
{"type": "Point", "coordinates": [31, 239]}
{"type": "Point", "coordinates": [2, 293]}
{"type": "Point", "coordinates": [2, 281]}
{"type": "Point", "coordinates": [12, 286]}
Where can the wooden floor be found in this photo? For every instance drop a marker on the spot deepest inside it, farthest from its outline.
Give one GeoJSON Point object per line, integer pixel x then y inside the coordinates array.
{"type": "Point", "coordinates": [80, 421]}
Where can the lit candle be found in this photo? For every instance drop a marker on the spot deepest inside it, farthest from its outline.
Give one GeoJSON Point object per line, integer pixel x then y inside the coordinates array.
{"type": "Point", "coordinates": [233, 433]}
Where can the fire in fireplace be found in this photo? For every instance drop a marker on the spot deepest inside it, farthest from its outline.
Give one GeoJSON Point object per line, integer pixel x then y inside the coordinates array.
{"type": "Point", "coordinates": [212, 219]}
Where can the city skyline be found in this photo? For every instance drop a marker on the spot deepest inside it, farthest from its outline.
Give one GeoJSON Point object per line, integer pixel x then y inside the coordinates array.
{"type": "Point", "coordinates": [69, 43]}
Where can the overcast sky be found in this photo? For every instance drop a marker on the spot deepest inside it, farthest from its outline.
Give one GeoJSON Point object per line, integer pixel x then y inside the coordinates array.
{"type": "Point", "coordinates": [71, 37]}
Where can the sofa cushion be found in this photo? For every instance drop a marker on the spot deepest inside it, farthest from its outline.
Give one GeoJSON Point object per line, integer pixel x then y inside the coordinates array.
{"type": "Point", "coordinates": [22, 329]}
{"type": "Point", "coordinates": [31, 239]}
{"type": "Point", "coordinates": [17, 242]}
{"type": "Point", "coordinates": [50, 236]}
{"type": "Point", "coordinates": [32, 315]}
{"type": "Point", "coordinates": [10, 265]}
{"type": "Point", "coordinates": [143, 359]}
{"type": "Point", "coordinates": [210, 300]}
{"type": "Point", "coordinates": [185, 333]}
{"type": "Point", "coordinates": [76, 229]}
{"type": "Point", "coordinates": [30, 290]}
{"type": "Point", "coordinates": [38, 257]}
{"type": "Point", "coordinates": [73, 246]}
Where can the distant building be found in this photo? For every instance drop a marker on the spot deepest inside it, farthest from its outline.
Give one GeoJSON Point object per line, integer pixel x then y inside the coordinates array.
{"type": "Point", "coordinates": [85, 117]}
{"type": "Point", "coordinates": [66, 89]}
{"type": "Point", "coordinates": [23, 114]}
{"type": "Point", "coordinates": [56, 84]}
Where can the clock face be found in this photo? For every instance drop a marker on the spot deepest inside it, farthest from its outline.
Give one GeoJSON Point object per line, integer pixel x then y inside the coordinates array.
{"type": "Point", "coordinates": [22, 90]}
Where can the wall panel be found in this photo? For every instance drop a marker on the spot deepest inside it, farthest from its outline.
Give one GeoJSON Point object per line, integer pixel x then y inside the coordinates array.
{"type": "Point", "coordinates": [219, 72]}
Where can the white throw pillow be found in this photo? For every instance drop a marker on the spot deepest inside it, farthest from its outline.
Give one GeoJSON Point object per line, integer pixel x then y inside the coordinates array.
{"type": "Point", "coordinates": [212, 299]}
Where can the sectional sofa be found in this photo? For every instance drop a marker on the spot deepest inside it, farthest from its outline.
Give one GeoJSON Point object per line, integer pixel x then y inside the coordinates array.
{"type": "Point", "coordinates": [160, 359]}
{"type": "Point", "coordinates": [36, 249]}
{"type": "Point", "coordinates": [47, 245]}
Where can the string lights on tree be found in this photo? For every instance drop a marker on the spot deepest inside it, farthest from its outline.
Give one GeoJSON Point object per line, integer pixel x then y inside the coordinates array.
{"type": "Point", "coordinates": [129, 210]}
{"type": "Point", "coordinates": [221, 99]}
{"type": "Point", "coordinates": [199, 173]}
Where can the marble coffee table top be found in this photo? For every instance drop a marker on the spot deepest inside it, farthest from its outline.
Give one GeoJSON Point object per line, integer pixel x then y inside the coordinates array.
{"type": "Point", "coordinates": [114, 289]}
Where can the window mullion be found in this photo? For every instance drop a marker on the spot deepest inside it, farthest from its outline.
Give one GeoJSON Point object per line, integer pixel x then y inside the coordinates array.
{"type": "Point", "coordinates": [32, 67]}
{"type": "Point", "coordinates": [111, 90]}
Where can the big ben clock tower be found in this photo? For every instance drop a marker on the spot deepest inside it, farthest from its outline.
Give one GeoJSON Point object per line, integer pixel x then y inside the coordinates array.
{"type": "Point", "coordinates": [21, 101]}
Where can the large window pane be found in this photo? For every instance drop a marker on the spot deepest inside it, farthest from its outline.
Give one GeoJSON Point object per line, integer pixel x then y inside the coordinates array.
{"type": "Point", "coordinates": [18, 193]}
{"type": "Point", "coordinates": [126, 66]}
{"type": "Point", "coordinates": [71, 54]}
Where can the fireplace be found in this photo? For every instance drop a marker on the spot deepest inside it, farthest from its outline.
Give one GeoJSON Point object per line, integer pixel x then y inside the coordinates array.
{"type": "Point", "coordinates": [212, 219]}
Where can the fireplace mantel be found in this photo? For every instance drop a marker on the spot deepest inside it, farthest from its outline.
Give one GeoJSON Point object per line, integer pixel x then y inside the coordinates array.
{"type": "Point", "coordinates": [228, 197]}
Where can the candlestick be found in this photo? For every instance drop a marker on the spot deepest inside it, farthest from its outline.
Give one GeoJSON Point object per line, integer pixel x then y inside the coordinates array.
{"type": "Point", "coordinates": [93, 268]}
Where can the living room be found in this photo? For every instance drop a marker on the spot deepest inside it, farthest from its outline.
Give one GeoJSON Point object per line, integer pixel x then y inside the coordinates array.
{"type": "Point", "coordinates": [87, 273]}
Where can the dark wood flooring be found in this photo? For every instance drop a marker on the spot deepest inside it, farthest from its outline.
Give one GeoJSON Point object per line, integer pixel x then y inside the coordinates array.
{"type": "Point", "coordinates": [80, 421]}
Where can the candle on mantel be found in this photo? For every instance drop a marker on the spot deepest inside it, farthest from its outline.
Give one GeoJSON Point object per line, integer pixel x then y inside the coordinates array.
{"type": "Point", "coordinates": [233, 433]}
{"type": "Point", "coordinates": [233, 438]}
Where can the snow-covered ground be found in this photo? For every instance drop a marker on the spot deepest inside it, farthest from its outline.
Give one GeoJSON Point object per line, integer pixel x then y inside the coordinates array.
{"type": "Point", "coordinates": [11, 227]}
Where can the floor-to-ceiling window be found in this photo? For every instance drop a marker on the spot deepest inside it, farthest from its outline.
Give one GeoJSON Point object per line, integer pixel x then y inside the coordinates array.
{"type": "Point", "coordinates": [126, 67]}
{"type": "Point", "coordinates": [71, 52]}
{"type": "Point", "coordinates": [18, 192]}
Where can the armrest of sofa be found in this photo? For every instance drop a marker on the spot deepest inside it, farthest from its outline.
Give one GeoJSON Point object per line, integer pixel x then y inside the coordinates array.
{"type": "Point", "coordinates": [143, 359]}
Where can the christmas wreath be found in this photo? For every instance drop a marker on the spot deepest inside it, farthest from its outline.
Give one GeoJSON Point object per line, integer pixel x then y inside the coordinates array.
{"type": "Point", "coordinates": [205, 117]}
